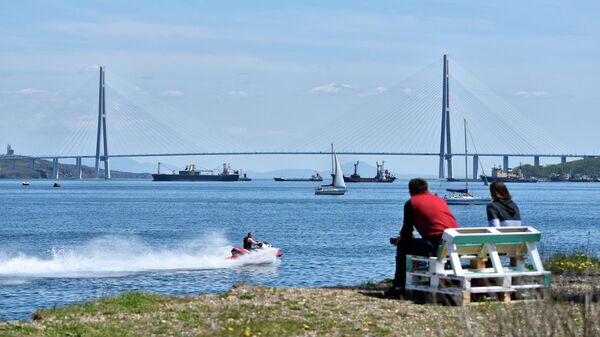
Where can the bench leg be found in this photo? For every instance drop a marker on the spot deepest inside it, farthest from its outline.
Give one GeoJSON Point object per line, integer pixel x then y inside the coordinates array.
{"type": "Point", "coordinates": [455, 260]}
{"type": "Point", "coordinates": [493, 253]}
{"type": "Point", "coordinates": [535, 256]}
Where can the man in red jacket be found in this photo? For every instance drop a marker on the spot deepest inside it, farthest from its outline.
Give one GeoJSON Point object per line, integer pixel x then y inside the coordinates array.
{"type": "Point", "coordinates": [430, 215]}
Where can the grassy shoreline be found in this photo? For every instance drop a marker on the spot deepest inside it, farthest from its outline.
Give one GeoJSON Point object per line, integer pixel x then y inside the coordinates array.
{"type": "Point", "coordinates": [248, 310]}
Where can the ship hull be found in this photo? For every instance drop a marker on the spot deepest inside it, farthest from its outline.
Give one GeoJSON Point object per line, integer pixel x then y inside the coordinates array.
{"type": "Point", "coordinates": [197, 177]}
{"type": "Point", "coordinates": [469, 201]}
{"type": "Point", "coordinates": [296, 179]}
{"type": "Point", "coordinates": [330, 190]}
{"type": "Point", "coordinates": [564, 180]}
{"type": "Point", "coordinates": [508, 180]}
{"type": "Point", "coordinates": [355, 179]}
{"type": "Point", "coordinates": [457, 180]}
{"type": "Point", "coordinates": [368, 180]}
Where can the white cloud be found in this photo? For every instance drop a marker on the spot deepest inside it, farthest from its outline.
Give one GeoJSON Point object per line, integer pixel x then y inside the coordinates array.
{"type": "Point", "coordinates": [29, 91]}
{"type": "Point", "coordinates": [92, 68]}
{"type": "Point", "coordinates": [537, 93]}
{"type": "Point", "coordinates": [238, 93]}
{"type": "Point", "coordinates": [172, 93]}
{"type": "Point", "coordinates": [331, 88]}
{"type": "Point", "coordinates": [236, 131]}
{"type": "Point", "coordinates": [378, 90]}
{"type": "Point", "coordinates": [334, 88]}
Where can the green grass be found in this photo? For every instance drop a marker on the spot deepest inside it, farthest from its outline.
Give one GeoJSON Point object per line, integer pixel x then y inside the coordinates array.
{"type": "Point", "coordinates": [257, 311]}
{"type": "Point", "coordinates": [579, 263]}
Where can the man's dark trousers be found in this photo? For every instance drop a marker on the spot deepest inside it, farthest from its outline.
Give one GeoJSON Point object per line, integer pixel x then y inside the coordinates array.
{"type": "Point", "coordinates": [421, 247]}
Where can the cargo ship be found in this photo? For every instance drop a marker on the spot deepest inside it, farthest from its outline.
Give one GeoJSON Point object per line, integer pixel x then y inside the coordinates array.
{"type": "Point", "coordinates": [191, 174]}
{"type": "Point", "coordinates": [314, 177]}
{"type": "Point", "coordinates": [383, 175]}
{"type": "Point", "coordinates": [508, 176]}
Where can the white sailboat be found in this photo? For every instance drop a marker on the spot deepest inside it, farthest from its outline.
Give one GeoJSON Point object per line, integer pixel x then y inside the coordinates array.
{"type": "Point", "coordinates": [338, 186]}
{"type": "Point", "coordinates": [462, 196]}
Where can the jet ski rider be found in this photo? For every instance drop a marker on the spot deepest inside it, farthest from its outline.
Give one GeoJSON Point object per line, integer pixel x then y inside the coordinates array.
{"type": "Point", "coordinates": [249, 241]}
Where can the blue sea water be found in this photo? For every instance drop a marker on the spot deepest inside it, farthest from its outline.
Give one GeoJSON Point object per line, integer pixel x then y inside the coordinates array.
{"type": "Point", "coordinates": [94, 238]}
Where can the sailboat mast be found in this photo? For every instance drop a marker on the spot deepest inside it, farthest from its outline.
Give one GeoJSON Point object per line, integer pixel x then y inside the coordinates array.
{"type": "Point", "coordinates": [466, 158]}
{"type": "Point", "coordinates": [332, 161]}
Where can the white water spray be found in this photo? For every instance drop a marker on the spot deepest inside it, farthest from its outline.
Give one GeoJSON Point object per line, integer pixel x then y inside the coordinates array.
{"type": "Point", "coordinates": [117, 255]}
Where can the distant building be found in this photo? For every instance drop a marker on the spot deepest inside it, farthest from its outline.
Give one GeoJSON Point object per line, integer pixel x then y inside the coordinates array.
{"type": "Point", "coordinates": [9, 150]}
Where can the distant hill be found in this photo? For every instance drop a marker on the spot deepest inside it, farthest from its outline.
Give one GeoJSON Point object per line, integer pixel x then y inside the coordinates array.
{"type": "Point", "coordinates": [43, 170]}
{"type": "Point", "coordinates": [588, 166]}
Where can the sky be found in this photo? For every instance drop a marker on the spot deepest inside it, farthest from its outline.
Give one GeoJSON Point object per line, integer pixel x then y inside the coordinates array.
{"type": "Point", "coordinates": [265, 73]}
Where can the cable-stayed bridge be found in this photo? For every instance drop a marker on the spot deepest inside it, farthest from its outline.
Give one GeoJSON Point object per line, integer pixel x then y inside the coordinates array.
{"type": "Point", "coordinates": [422, 116]}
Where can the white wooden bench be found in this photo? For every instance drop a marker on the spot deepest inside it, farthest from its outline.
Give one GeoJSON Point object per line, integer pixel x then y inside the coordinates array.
{"type": "Point", "coordinates": [502, 262]}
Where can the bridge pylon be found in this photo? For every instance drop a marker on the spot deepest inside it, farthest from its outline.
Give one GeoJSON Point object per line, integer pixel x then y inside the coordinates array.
{"type": "Point", "coordinates": [101, 135]}
{"type": "Point", "coordinates": [445, 139]}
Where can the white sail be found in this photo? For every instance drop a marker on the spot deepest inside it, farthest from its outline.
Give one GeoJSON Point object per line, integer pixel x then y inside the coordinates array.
{"type": "Point", "coordinates": [338, 180]}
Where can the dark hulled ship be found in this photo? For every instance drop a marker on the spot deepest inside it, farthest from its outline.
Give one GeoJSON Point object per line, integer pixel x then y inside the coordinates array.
{"type": "Point", "coordinates": [383, 175]}
{"type": "Point", "coordinates": [191, 174]}
{"type": "Point", "coordinates": [314, 177]}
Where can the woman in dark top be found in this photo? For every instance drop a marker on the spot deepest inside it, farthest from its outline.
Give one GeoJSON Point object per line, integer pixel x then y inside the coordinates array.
{"type": "Point", "coordinates": [502, 211]}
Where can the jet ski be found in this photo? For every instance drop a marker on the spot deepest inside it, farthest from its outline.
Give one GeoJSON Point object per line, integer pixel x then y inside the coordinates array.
{"type": "Point", "coordinates": [237, 252]}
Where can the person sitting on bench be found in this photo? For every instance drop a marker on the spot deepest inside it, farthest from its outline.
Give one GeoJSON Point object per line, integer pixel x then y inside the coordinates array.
{"type": "Point", "coordinates": [502, 211]}
{"type": "Point", "coordinates": [430, 215]}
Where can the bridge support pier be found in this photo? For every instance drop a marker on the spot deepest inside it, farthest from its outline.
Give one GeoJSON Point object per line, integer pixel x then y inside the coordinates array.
{"type": "Point", "coordinates": [505, 163]}
{"type": "Point", "coordinates": [563, 159]}
{"type": "Point", "coordinates": [536, 161]}
{"type": "Point", "coordinates": [55, 168]}
{"type": "Point", "coordinates": [32, 166]}
{"type": "Point", "coordinates": [106, 166]}
{"type": "Point", "coordinates": [102, 138]}
{"type": "Point", "coordinates": [449, 162]}
{"type": "Point", "coordinates": [13, 164]}
{"type": "Point", "coordinates": [78, 168]}
{"type": "Point", "coordinates": [445, 139]}
{"type": "Point", "coordinates": [475, 167]}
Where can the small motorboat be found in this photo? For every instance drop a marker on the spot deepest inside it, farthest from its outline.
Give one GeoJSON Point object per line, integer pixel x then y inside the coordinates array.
{"type": "Point", "coordinates": [56, 185]}
{"type": "Point", "coordinates": [25, 183]}
{"type": "Point", "coordinates": [237, 252]}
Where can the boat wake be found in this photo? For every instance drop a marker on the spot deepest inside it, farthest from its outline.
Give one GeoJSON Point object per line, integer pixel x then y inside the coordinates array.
{"type": "Point", "coordinates": [110, 256]}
